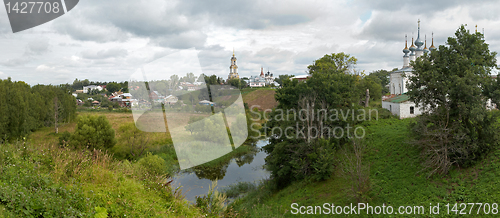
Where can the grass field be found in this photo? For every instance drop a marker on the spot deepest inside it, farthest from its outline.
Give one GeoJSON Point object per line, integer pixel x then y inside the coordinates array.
{"type": "Point", "coordinates": [262, 97]}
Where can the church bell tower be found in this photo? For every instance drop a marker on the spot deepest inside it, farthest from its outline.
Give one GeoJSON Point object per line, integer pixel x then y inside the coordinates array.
{"type": "Point", "coordinates": [233, 69]}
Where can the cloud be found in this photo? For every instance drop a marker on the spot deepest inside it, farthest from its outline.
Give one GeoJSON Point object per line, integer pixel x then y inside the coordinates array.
{"type": "Point", "coordinates": [80, 28]}
{"type": "Point", "coordinates": [34, 48]}
{"type": "Point", "coordinates": [38, 46]}
{"type": "Point", "coordinates": [104, 54]}
{"type": "Point", "coordinates": [4, 22]}
{"type": "Point", "coordinates": [111, 21]}
{"type": "Point", "coordinates": [251, 14]}
{"type": "Point", "coordinates": [182, 40]}
{"type": "Point", "coordinates": [427, 8]}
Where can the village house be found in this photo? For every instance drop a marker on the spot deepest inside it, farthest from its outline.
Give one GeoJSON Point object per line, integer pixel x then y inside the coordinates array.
{"type": "Point", "coordinates": [171, 99]}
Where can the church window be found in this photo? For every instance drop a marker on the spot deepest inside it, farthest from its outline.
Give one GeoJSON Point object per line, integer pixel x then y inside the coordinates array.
{"type": "Point", "coordinates": [412, 110]}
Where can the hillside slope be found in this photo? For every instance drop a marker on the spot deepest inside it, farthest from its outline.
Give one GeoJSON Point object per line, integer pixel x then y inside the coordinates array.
{"type": "Point", "coordinates": [261, 98]}
{"type": "Point", "coordinates": [396, 179]}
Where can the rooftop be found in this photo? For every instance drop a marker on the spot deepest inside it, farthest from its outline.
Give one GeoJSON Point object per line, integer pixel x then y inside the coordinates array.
{"type": "Point", "coordinates": [399, 98]}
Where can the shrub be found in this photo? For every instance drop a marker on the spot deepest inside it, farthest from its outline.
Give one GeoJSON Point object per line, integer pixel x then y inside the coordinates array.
{"type": "Point", "coordinates": [153, 164]}
{"type": "Point", "coordinates": [93, 132]}
{"type": "Point", "coordinates": [296, 161]}
{"type": "Point", "coordinates": [132, 142]}
{"type": "Point", "coordinates": [64, 138]}
{"type": "Point", "coordinates": [213, 203]}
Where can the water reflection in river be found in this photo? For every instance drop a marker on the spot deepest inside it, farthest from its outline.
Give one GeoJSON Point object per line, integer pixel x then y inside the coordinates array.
{"type": "Point", "coordinates": [242, 168]}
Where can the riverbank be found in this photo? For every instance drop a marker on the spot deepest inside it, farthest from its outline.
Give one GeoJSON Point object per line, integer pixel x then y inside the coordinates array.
{"type": "Point", "coordinates": [42, 178]}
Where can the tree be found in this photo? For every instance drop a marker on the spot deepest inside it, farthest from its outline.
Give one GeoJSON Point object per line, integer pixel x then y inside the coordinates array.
{"type": "Point", "coordinates": [201, 78]}
{"type": "Point", "coordinates": [451, 83]}
{"type": "Point", "coordinates": [25, 109]}
{"type": "Point", "coordinates": [113, 87]}
{"type": "Point", "coordinates": [192, 125]}
{"type": "Point", "coordinates": [383, 78]}
{"type": "Point", "coordinates": [235, 82]}
{"type": "Point", "coordinates": [283, 77]}
{"type": "Point", "coordinates": [371, 83]}
{"type": "Point", "coordinates": [190, 77]}
{"type": "Point", "coordinates": [335, 62]}
{"type": "Point", "coordinates": [133, 140]}
{"type": "Point", "coordinates": [93, 132]}
{"type": "Point", "coordinates": [300, 154]}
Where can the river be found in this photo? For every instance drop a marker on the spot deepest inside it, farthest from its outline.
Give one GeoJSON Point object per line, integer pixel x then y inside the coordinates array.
{"type": "Point", "coordinates": [246, 167]}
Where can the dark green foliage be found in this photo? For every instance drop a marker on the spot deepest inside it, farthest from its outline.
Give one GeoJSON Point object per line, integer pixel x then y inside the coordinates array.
{"type": "Point", "coordinates": [133, 142]}
{"type": "Point", "coordinates": [339, 62]}
{"type": "Point", "coordinates": [371, 83]}
{"type": "Point", "coordinates": [26, 190]}
{"type": "Point", "coordinates": [64, 138]}
{"type": "Point", "coordinates": [453, 82]}
{"type": "Point", "coordinates": [213, 80]}
{"type": "Point", "coordinates": [281, 78]}
{"type": "Point", "coordinates": [153, 164]}
{"type": "Point", "coordinates": [93, 132]}
{"type": "Point", "coordinates": [333, 86]}
{"type": "Point", "coordinates": [290, 162]}
{"type": "Point", "coordinates": [113, 87]}
{"type": "Point", "coordinates": [383, 79]}
{"type": "Point", "coordinates": [25, 109]}
{"type": "Point", "coordinates": [235, 82]}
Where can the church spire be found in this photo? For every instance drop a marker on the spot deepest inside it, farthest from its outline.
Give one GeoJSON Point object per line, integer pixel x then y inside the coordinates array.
{"type": "Point", "coordinates": [426, 50]}
{"type": "Point", "coordinates": [419, 42]}
{"type": "Point", "coordinates": [406, 58]}
{"type": "Point", "coordinates": [432, 48]}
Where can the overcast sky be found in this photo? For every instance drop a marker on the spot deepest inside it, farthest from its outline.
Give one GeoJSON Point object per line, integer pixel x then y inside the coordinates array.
{"type": "Point", "coordinates": [108, 40]}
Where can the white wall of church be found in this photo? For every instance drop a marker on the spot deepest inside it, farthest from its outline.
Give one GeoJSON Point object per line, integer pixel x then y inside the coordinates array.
{"type": "Point", "coordinates": [403, 110]}
{"type": "Point", "coordinates": [398, 84]}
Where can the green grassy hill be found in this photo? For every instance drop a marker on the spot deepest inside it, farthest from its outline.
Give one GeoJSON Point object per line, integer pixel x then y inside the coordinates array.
{"type": "Point", "coordinates": [396, 179]}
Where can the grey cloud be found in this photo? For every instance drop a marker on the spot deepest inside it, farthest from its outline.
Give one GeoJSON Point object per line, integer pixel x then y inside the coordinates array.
{"type": "Point", "coordinates": [246, 14]}
{"type": "Point", "coordinates": [418, 7]}
{"type": "Point", "coordinates": [104, 54]}
{"type": "Point", "coordinates": [105, 21]}
{"type": "Point", "coordinates": [182, 40]}
{"type": "Point", "coordinates": [33, 50]}
{"type": "Point", "coordinates": [488, 11]}
{"type": "Point", "coordinates": [83, 29]}
{"type": "Point", "coordinates": [391, 27]}
{"type": "Point", "coordinates": [38, 47]}
{"type": "Point", "coordinates": [18, 61]}
{"type": "Point", "coordinates": [4, 22]}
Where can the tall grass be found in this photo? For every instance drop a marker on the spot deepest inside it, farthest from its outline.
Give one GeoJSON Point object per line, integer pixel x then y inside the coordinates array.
{"type": "Point", "coordinates": [45, 179]}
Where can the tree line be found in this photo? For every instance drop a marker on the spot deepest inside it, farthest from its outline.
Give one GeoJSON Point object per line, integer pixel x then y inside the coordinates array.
{"type": "Point", "coordinates": [25, 109]}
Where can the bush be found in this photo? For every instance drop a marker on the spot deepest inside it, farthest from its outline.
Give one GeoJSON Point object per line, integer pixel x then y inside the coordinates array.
{"type": "Point", "coordinates": [290, 162]}
{"type": "Point", "coordinates": [93, 132]}
{"type": "Point", "coordinates": [64, 139]}
{"type": "Point", "coordinates": [445, 142]}
{"type": "Point", "coordinates": [153, 164]}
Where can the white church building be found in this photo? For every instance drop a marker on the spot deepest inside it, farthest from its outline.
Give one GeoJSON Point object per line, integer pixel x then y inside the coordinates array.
{"type": "Point", "coordinates": [398, 102]}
